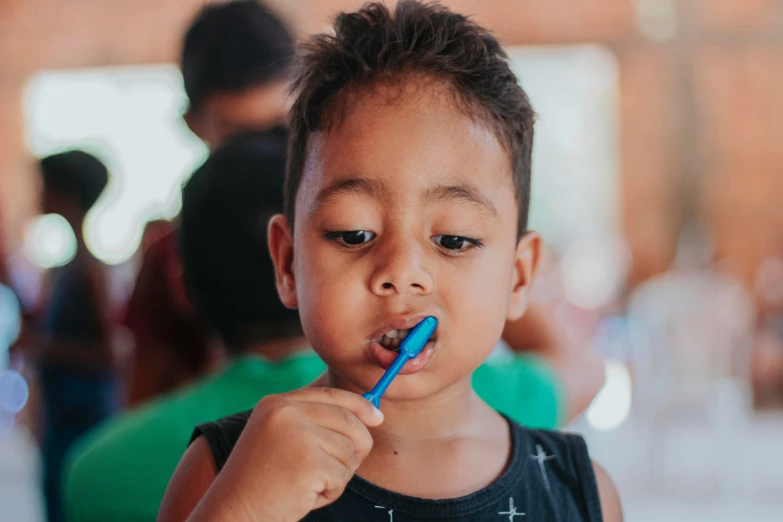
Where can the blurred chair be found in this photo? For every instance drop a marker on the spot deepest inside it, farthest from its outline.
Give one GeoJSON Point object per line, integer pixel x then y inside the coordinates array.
{"type": "Point", "coordinates": [20, 477]}
{"type": "Point", "coordinates": [694, 331]}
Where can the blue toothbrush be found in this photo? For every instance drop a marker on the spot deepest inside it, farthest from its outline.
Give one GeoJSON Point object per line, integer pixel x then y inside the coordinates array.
{"type": "Point", "coordinates": [410, 347]}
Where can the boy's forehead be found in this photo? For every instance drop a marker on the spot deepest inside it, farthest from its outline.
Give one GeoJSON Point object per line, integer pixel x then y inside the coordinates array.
{"type": "Point", "coordinates": [391, 129]}
{"type": "Point", "coordinates": [417, 141]}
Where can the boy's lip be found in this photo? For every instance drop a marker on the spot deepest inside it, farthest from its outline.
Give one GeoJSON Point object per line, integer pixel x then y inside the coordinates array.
{"type": "Point", "coordinates": [401, 323]}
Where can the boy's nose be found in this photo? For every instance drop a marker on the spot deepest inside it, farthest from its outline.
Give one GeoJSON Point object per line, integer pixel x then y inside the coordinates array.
{"type": "Point", "coordinates": [400, 270]}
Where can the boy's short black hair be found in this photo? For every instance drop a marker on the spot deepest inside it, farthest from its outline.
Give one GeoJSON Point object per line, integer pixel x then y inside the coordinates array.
{"type": "Point", "coordinates": [227, 268]}
{"type": "Point", "coordinates": [233, 46]}
{"type": "Point", "coordinates": [375, 46]}
{"type": "Point", "coordinates": [76, 175]}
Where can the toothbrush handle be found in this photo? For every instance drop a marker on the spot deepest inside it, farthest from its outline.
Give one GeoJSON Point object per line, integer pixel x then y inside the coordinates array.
{"type": "Point", "coordinates": [374, 399]}
{"type": "Point", "coordinates": [374, 396]}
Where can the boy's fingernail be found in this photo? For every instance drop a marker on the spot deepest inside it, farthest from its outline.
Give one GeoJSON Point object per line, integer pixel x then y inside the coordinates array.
{"type": "Point", "coordinates": [377, 413]}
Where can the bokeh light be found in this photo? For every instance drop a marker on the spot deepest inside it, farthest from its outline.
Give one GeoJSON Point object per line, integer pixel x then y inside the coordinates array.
{"type": "Point", "coordinates": [612, 405]}
{"type": "Point", "coordinates": [14, 391]}
{"type": "Point", "coordinates": [49, 241]}
{"type": "Point", "coordinates": [594, 271]}
{"type": "Point", "coordinates": [10, 318]}
{"type": "Point", "coordinates": [613, 337]}
{"type": "Point", "coordinates": [656, 19]}
{"type": "Point", "coordinates": [6, 421]}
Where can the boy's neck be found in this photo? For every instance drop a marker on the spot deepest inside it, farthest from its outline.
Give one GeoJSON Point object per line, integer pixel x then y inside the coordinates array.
{"type": "Point", "coordinates": [279, 349]}
{"type": "Point", "coordinates": [447, 445]}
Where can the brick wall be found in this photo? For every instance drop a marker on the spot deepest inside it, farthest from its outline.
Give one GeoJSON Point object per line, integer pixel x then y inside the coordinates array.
{"type": "Point", "coordinates": [701, 111]}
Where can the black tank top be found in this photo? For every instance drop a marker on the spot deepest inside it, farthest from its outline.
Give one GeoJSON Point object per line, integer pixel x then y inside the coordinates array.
{"type": "Point", "coordinates": [549, 479]}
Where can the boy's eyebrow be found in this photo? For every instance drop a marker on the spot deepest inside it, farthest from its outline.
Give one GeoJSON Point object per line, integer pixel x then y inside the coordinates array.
{"type": "Point", "coordinates": [377, 189]}
{"type": "Point", "coordinates": [372, 187]}
{"type": "Point", "coordinates": [464, 192]}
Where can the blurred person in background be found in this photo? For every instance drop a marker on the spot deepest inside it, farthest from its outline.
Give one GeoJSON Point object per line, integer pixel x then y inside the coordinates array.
{"type": "Point", "coordinates": [234, 65]}
{"type": "Point", "coordinates": [234, 61]}
{"type": "Point", "coordinates": [73, 351]}
{"type": "Point", "coordinates": [119, 471]}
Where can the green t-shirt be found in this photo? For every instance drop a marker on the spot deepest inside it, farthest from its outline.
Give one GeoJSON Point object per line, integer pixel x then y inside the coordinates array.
{"type": "Point", "coordinates": [120, 470]}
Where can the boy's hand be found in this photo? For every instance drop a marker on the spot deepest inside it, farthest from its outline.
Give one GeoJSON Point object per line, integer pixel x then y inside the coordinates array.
{"type": "Point", "coordinates": [298, 452]}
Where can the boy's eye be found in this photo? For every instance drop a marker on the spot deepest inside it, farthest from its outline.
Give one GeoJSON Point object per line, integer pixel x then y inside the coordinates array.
{"type": "Point", "coordinates": [351, 237]}
{"type": "Point", "coordinates": [455, 243]}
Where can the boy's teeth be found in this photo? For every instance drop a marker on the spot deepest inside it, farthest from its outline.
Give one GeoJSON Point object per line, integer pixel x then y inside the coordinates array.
{"type": "Point", "coordinates": [392, 339]}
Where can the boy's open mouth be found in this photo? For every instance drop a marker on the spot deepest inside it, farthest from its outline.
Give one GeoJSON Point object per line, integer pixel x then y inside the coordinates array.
{"type": "Point", "coordinates": [392, 339]}
{"type": "Point", "coordinates": [384, 345]}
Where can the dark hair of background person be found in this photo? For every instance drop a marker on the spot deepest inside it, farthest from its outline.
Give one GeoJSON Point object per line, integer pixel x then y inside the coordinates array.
{"type": "Point", "coordinates": [75, 175]}
{"type": "Point", "coordinates": [375, 46]}
{"type": "Point", "coordinates": [227, 268]}
{"type": "Point", "coordinates": [233, 46]}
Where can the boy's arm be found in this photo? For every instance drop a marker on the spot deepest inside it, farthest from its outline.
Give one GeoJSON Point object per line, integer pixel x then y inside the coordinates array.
{"type": "Point", "coordinates": [194, 475]}
{"type": "Point", "coordinates": [579, 370]}
{"type": "Point", "coordinates": [296, 454]}
{"type": "Point", "coordinates": [610, 500]}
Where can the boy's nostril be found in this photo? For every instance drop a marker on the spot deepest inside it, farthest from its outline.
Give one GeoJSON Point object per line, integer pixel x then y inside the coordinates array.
{"type": "Point", "coordinates": [387, 286]}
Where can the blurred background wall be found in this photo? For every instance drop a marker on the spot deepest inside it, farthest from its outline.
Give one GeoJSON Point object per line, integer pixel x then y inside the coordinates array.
{"type": "Point", "coordinates": [660, 114]}
{"type": "Point", "coordinates": [700, 110]}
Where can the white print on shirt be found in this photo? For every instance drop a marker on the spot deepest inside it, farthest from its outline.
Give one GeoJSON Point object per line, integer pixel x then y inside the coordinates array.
{"type": "Point", "coordinates": [512, 510]}
{"type": "Point", "coordinates": [541, 457]}
{"type": "Point", "coordinates": [391, 512]}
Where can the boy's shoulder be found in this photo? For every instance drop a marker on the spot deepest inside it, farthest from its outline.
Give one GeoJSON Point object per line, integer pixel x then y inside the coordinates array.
{"type": "Point", "coordinates": [222, 435]}
{"type": "Point", "coordinates": [564, 441]}
{"type": "Point", "coordinates": [564, 463]}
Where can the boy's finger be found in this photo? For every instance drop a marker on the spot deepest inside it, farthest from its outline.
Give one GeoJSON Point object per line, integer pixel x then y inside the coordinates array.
{"type": "Point", "coordinates": [338, 446]}
{"type": "Point", "coordinates": [342, 421]}
{"type": "Point", "coordinates": [361, 407]}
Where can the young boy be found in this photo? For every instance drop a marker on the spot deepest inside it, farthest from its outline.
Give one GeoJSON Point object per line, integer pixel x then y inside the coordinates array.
{"type": "Point", "coordinates": [407, 196]}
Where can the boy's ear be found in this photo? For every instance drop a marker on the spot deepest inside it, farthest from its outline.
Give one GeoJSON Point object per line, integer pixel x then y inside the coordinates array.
{"type": "Point", "coordinates": [526, 260]}
{"type": "Point", "coordinates": [281, 247]}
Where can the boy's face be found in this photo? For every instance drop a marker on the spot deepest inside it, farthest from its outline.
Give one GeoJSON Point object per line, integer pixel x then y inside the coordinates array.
{"type": "Point", "coordinates": [406, 209]}
{"type": "Point", "coordinates": [224, 114]}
